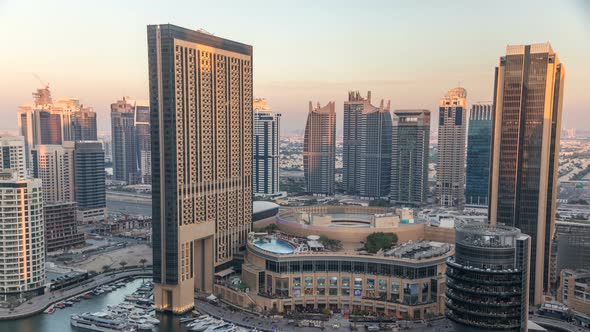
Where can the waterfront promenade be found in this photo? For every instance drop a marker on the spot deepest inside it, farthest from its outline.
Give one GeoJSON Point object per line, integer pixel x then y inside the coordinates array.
{"type": "Point", "coordinates": [40, 303]}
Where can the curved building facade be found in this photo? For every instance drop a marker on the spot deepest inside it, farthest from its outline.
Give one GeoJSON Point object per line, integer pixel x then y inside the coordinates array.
{"type": "Point", "coordinates": [319, 149]}
{"type": "Point", "coordinates": [487, 279]}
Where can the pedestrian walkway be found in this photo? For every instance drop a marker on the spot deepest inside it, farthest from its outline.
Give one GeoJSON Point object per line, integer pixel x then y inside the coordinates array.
{"type": "Point", "coordinates": [38, 304]}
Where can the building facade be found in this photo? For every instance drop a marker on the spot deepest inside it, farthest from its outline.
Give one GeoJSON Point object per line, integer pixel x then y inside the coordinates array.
{"type": "Point", "coordinates": [409, 158]}
{"type": "Point", "coordinates": [267, 135]}
{"type": "Point", "coordinates": [54, 165]}
{"type": "Point", "coordinates": [570, 248]}
{"type": "Point", "coordinates": [525, 151]}
{"type": "Point", "coordinates": [125, 166]}
{"type": "Point", "coordinates": [487, 279]}
{"type": "Point", "coordinates": [143, 139]}
{"type": "Point", "coordinates": [23, 241]}
{"type": "Point", "coordinates": [366, 147]}
{"type": "Point", "coordinates": [574, 290]}
{"type": "Point", "coordinates": [319, 149]}
{"type": "Point", "coordinates": [13, 155]}
{"type": "Point", "coordinates": [61, 230]}
{"type": "Point", "coordinates": [48, 121]}
{"type": "Point", "coordinates": [450, 169]}
{"type": "Point", "coordinates": [201, 116]}
{"type": "Point", "coordinates": [89, 180]}
{"type": "Point", "coordinates": [479, 145]}
{"type": "Point", "coordinates": [84, 125]}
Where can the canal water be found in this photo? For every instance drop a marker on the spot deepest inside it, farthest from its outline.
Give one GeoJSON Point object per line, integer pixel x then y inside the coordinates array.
{"type": "Point", "coordinates": [59, 321]}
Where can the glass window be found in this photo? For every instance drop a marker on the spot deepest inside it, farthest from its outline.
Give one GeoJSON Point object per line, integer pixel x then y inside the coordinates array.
{"type": "Point", "coordinates": [333, 282]}
{"type": "Point", "coordinates": [321, 282]}
{"type": "Point", "coordinates": [425, 285]}
{"type": "Point", "coordinates": [297, 282]}
{"type": "Point", "coordinates": [346, 266]}
{"type": "Point", "coordinates": [370, 283]}
{"type": "Point", "coordinates": [308, 285]}
{"type": "Point", "coordinates": [395, 290]}
{"type": "Point", "coordinates": [411, 294]}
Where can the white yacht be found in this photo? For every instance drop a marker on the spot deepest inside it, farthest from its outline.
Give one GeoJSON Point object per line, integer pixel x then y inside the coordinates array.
{"type": "Point", "coordinates": [100, 321]}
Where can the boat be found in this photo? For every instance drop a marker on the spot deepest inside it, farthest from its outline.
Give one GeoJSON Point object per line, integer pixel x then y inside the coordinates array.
{"type": "Point", "coordinates": [100, 321]}
{"type": "Point", "coordinates": [69, 303]}
{"type": "Point", "coordinates": [75, 299]}
{"type": "Point", "coordinates": [150, 319]}
{"type": "Point", "coordinates": [49, 310]}
{"type": "Point", "coordinates": [87, 296]}
{"type": "Point", "coordinates": [186, 320]}
{"type": "Point", "coordinates": [145, 327]}
{"type": "Point", "coordinates": [60, 305]}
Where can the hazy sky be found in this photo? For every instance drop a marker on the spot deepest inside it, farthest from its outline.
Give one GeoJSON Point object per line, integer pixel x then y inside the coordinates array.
{"type": "Point", "coordinates": [410, 52]}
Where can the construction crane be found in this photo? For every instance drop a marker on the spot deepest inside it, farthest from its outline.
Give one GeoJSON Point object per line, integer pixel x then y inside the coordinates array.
{"type": "Point", "coordinates": [45, 84]}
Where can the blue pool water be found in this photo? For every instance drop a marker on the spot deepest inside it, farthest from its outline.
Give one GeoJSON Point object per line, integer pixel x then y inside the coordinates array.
{"type": "Point", "coordinates": [276, 246]}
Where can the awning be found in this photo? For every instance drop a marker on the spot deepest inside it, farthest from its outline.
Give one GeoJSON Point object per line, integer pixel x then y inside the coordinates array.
{"type": "Point", "coordinates": [212, 298]}
{"type": "Point", "coordinates": [225, 272]}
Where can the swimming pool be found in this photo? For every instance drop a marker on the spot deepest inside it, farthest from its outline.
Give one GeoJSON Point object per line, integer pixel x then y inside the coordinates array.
{"type": "Point", "coordinates": [276, 246]}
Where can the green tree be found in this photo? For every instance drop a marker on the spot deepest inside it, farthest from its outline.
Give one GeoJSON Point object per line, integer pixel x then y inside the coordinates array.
{"type": "Point", "coordinates": [378, 241]}
{"type": "Point", "coordinates": [142, 262]}
{"type": "Point", "coordinates": [105, 268]}
{"type": "Point", "coordinates": [123, 263]}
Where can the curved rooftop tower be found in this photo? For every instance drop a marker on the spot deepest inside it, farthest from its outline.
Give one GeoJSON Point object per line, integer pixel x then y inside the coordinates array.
{"type": "Point", "coordinates": [319, 149]}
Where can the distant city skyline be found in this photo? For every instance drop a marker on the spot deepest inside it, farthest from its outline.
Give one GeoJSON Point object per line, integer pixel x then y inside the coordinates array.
{"type": "Point", "coordinates": [302, 50]}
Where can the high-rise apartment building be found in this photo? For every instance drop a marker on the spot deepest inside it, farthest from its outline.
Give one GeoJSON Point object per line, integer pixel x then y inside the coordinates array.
{"type": "Point", "coordinates": [266, 140]}
{"type": "Point", "coordinates": [45, 121]}
{"type": "Point", "coordinates": [367, 147]}
{"type": "Point", "coordinates": [23, 239]}
{"type": "Point", "coordinates": [89, 180]}
{"type": "Point", "coordinates": [525, 151]}
{"type": "Point", "coordinates": [125, 166]}
{"type": "Point", "coordinates": [319, 149]}
{"type": "Point", "coordinates": [487, 279]}
{"type": "Point", "coordinates": [54, 165]}
{"type": "Point", "coordinates": [143, 140]}
{"type": "Point", "coordinates": [409, 158]}
{"type": "Point", "coordinates": [84, 125]}
{"type": "Point", "coordinates": [61, 230]}
{"type": "Point", "coordinates": [201, 116]}
{"type": "Point", "coordinates": [479, 144]}
{"type": "Point", "coordinates": [450, 169]}
{"type": "Point", "coordinates": [13, 155]}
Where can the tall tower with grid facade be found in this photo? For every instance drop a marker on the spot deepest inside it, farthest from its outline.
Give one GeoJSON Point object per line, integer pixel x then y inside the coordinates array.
{"type": "Point", "coordinates": [201, 132]}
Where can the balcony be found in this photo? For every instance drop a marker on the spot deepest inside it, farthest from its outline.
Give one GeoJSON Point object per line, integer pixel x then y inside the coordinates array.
{"type": "Point", "coordinates": [482, 290]}
{"type": "Point", "coordinates": [452, 306]}
{"type": "Point", "coordinates": [497, 325]}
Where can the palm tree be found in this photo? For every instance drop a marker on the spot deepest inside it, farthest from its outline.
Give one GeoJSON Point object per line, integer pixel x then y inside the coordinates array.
{"type": "Point", "coordinates": [142, 262]}
{"type": "Point", "coordinates": [123, 263]}
{"type": "Point", "coordinates": [106, 268]}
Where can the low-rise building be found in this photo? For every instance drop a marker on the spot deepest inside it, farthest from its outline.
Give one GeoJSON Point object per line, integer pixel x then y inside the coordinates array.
{"type": "Point", "coordinates": [61, 231]}
{"type": "Point", "coordinates": [574, 290]}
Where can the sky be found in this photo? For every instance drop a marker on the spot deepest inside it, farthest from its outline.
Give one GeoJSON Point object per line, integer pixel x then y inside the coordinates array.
{"type": "Point", "coordinates": [409, 52]}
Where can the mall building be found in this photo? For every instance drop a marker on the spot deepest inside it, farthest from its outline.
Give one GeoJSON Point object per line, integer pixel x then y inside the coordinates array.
{"type": "Point", "coordinates": [295, 269]}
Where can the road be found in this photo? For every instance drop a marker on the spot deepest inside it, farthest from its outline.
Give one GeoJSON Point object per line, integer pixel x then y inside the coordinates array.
{"type": "Point", "coordinates": [252, 321]}
{"type": "Point", "coordinates": [139, 207]}
{"type": "Point", "coordinates": [40, 303]}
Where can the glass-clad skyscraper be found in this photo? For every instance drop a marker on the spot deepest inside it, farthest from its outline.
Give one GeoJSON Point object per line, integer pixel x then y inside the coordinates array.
{"type": "Point", "coordinates": [366, 147]}
{"type": "Point", "coordinates": [525, 151]}
{"type": "Point", "coordinates": [479, 141]}
{"type": "Point", "coordinates": [266, 140]}
{"type": "Point", "coordinates": [450, 169]}
{"type": "Point", "coordinates": [319, 149]}
{"type": "Point", "coordinates": [409, 161]}
{"type": "Point", "coordinates": [487, 279]}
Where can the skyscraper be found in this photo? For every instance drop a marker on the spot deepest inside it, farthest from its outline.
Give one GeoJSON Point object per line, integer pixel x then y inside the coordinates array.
{"type": "Point", "coordinates": [319, 149]}
{"type": "Point", "coordinates": [125, 156]}
{"type": "Point", "coordinates": [367, 147]}
{"type": "Point", "coordinates": [450, 169]}
{"type": "Point", "coordinates": [267, 130]}
{"type": "Point", "coordinates": [89, 180]}
{"type": "Point", "coordinates": [528, 99]}
{"type": "Point", "coordinates": [84, 125]}
{"type": "Point", "coordinates": [45, 121]}
{"type": "Point", "coordinates": [54, 165]}
{"type": "Point", "coordinates": [487, 279]}
{"type": "Point", "coordinates": [23, 241]}
{"type": "Point", "coordinates": [409, 161]}
{"type": "Point", "coordinates": [13, 155]}
{"type": "Point", "coordinates": [143, 140]}
{"type": "Point", "coordinates": [201, 115]}
{"type": "Point", "coordinates": [479, 144]}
